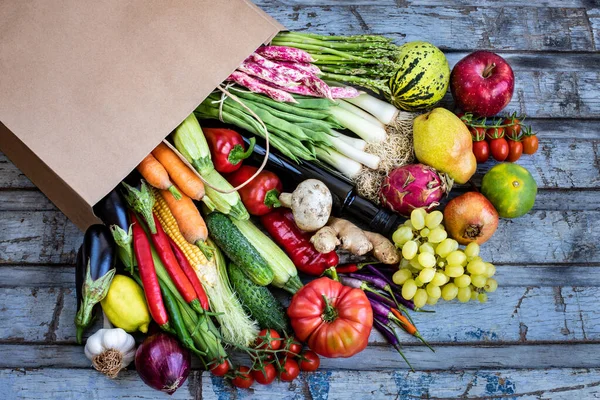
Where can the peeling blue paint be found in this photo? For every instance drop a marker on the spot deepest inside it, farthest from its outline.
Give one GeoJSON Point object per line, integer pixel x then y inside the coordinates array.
{"type": "Point", "coordinates": [411, 385]}
{"type": "Point", "coordinates": [497, 385]}
{"type": "Point", "coordinates": [318, 384]}
{"type": "Point", "coordinates": [221, 388]}
{"type": "Point", "coordinates": [480, 334]}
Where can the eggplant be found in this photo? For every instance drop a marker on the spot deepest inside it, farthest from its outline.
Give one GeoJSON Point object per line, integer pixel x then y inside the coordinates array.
{"type": "Point", "coordinates": [112, 210]}
{"type": "Point", "coordinates": [94, 273]}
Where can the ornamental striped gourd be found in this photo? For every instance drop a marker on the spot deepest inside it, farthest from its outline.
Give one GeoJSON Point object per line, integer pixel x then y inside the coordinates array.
{"type": "Point", "coordinates": [422, 77]}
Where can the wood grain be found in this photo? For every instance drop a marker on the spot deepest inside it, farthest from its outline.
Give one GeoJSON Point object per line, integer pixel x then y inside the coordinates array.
{"type": "Point", "coordinates": [549, 384]}
{"type": "Point", "coordinates": [420, 3]}
{"type": "Point", "coordinates": [446, 357]}
{"type": "Point", "coordinates": [455, 28]}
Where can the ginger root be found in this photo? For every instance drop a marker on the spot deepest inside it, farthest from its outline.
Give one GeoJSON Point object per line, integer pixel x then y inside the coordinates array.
{"type": "Point", "coordinates": [338, 230]}
{"type": "Point", "coordinates": [355, 240]}
{"type": "Point", "coordinates": [383, 249]}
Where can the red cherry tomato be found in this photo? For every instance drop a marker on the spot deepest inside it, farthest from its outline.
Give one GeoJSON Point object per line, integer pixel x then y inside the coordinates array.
{"type": "Point", "coordinates": [221, 369]}
{"type": "Point", "coordinates": [265, 377]}
{"type": "Point", "coordinates": [291, 370]}
{"type": "Point", "coordinates": [295, 347]}
{"type": "Point", "coordinates": [482, 151]}
{"type": "Point", "coordinates": [515, 149]}
{"type": "Point", "coordinates": [512, 131]}
{"type": "Point", "coordinates": [494, 132]}
{"type": "Point", "coordinates": [243, 379]}
{"type": "Point", "coordinates": [268, 339]}
{"type": "Point", "coordinates": [499, 149]}
{"type": "Point", "coordinates": [310, 361]}
{"type": "Point", "coordinates": [530, 144]}
{"type": "Point", "coordinates": [477, 133]}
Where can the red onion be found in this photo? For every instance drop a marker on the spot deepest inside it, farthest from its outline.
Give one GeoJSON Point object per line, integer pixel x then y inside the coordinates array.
{"type": "Point", "coordinates": [413, 186]}
{"type": "Point", "coordinates": [162, 362]}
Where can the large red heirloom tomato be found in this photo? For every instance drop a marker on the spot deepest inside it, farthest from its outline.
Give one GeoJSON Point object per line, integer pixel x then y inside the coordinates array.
{"type": "Point", "coordinates": [335, 320]}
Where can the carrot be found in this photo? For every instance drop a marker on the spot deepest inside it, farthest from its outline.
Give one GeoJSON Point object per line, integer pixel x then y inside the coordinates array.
{"type": "Point", "coordinates": [157, 175]}
{"type": "Point", "coordinates": [190, 222]}
{"type": "Point", "coordinates": [183, 177]}
{"type": "Point", "coordinates": [406, 325]}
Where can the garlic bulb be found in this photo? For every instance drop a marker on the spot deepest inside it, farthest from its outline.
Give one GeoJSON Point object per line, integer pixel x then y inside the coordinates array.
{"type": "Point", "coordinates": [110, 350]}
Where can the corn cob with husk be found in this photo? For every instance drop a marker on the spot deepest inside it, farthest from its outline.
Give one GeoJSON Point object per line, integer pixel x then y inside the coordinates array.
{"type": "Point", "coordinates": [236, 327]}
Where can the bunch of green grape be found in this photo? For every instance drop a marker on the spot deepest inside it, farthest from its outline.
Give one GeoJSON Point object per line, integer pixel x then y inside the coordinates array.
{"type": "Point", "coordinates": [433, 266]}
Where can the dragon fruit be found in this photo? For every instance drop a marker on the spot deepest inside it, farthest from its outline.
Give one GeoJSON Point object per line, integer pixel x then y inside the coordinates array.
{"type": "Point", "coordinates": [413, 186]}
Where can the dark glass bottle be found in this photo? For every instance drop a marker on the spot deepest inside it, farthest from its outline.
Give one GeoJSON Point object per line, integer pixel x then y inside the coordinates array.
{"type": "Point", "coordinates": [346, 202]}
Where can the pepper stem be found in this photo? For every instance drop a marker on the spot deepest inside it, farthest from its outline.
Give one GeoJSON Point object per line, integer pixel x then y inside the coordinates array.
{"type": "Point", "coordinates": [329, 313]}
{"type": "Point", "coordinates": [238, 154]}
{"type": "Point", "coordinates": [272, 198]}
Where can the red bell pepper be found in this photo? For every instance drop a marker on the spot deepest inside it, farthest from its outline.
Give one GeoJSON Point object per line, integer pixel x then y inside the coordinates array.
{"type": "Point", "coordinates": [296, 243]}
{"type": "Point", "coordinates": [261, 195]}
{"type": "Point", "coordinates": [227, 148]}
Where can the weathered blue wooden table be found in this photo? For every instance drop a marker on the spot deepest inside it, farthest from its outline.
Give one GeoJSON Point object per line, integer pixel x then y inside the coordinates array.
{"type": "Point", "coordinates": [538, 337]}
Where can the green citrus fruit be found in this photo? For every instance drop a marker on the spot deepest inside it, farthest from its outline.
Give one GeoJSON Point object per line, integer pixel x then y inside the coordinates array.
{"type": "Point", "coordinates": [510, 188]}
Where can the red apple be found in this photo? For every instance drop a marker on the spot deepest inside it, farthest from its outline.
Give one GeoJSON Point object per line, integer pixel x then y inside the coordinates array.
{"type": "Point", "coordinates": [482, 83]}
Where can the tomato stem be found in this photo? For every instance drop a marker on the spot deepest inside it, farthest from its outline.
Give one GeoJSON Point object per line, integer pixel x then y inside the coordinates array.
{"type": "Point", "coordinates": [329, 313]}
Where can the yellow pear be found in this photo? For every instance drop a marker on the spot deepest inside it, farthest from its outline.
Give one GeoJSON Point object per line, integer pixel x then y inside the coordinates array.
{"type": "Point", "coordinates": [443, 141]}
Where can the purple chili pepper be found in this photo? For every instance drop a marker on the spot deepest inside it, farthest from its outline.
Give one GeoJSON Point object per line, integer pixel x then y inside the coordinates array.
{"type": "Point", "coordinates": [380, 274]}
{"type": "Point", "coordinates": [373, 280]}
{"type": "Point", "coordinates": [381, 324]}
{"type": "Point", "coordinates": [380, 298]}
{"type": "Point", "coordinates": [380, 308]}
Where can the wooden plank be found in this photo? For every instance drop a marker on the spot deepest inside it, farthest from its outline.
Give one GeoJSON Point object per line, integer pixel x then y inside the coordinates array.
{"type": "Point", "coordinates": [24, 200]}
{"type": "Point", "coordinates": [420, 3]}
{"type": "Point", "coordinates": [594, 20]}
{"type": "Point", "coordinates": [63, 276]}
{"type": "Point", "coordinates": [11, 176]}
{"type": "Point", "coordinates": [524, 384]}
{"type": "Point", "coordinates": [446, 357]}
{"type": "Point", "coordinates": [512, 314]}
{"type": "Point", "coordinates": [457, 28]}
{"type": "Point", "coordinates": [47, 237]}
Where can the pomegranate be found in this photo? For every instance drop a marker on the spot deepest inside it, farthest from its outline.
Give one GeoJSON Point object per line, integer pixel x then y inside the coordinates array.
{"type": "Point", "coordinates": [470, 218]}
{"type": "Point", "coordinates": [413, 186]}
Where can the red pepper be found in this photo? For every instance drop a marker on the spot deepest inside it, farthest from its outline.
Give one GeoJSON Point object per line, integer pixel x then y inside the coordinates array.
{"type": "Point", "coordinates": [189, 272]}
{"type": "Point", "coordinates": [261, 195]}
{"type": "Point", "coordinates": [296, 243]}
{"type": "Point", "coordinates": [180, 279]}
{"type": "Point", "coordinates": [347, 268]}
{"type": "Point", "coordinates": [143, 255]}
{"type": "Point", "coordinates": [227, 148]}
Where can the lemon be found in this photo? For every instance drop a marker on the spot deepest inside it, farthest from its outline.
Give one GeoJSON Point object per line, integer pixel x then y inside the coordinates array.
{"type": "Point", "coordinates": [125, 305]}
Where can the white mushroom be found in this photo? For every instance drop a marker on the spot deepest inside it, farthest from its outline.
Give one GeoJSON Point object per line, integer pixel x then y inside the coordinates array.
{"type": "Point", "coordinates": [310, 203]}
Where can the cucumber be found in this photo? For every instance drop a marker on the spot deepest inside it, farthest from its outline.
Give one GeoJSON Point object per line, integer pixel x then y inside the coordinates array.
{"type": "Point", "coordinates": [258, 301]}
{"type": "Point", "coordinates": [239, 250]}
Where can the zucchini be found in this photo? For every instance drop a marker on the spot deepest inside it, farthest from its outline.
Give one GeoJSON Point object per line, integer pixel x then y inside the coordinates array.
{"type": "Point", "coordinates": [239, 250]}
{"type": "Point", "coordinates": [285, 274]}
{"type": "Point", "coordinates": [258, 301]}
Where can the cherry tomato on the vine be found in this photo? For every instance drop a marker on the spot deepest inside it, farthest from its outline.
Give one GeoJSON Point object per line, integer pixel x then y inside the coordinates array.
{"type": "Point", "coordinates": [273, 343]}
{"type": "Point", "coordinates": [266, 376]}
{"type": "Point", "coordinates": [499, 149]}
{"type": "Point", "coordinates": [221, 369]}
{"type": "Point", "coordinates": [310, 361]}
{"type": "Point", "coordinates": [530, 144]}
{"type": "Point", "coordinates": [477, 133]}
{"type": "Point", "coordinates": [243, 379]}
{"type": "Point", "coordinates": [515, 150]}
{"type": "Point", "coordinates": [494, 132]}
{"type": "Point", "coordinates": [514, 130]}
{"type": "Point", "coordinates": [295, 347]}
{"type": "Point", "coordinates": [481, 150]}
{"type": "Point", "coordinates": [291, 370]}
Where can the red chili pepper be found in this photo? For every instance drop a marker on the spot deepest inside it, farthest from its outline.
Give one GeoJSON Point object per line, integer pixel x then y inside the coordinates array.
{"type": "Point", "coordinates": [165, 252]}
{"type": "Point", "coordinates": [189, 272]}
{"type": "Point", "coordinates": [296, 243]}
{"type": "Point", "coordinates": [261, 195]}
{"type": "Point", "coordinates": [346, 268]}
{"type": "Point", "coordinates": [143, 255]}
{"type": "Point", "coordinates": [227, 148]}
